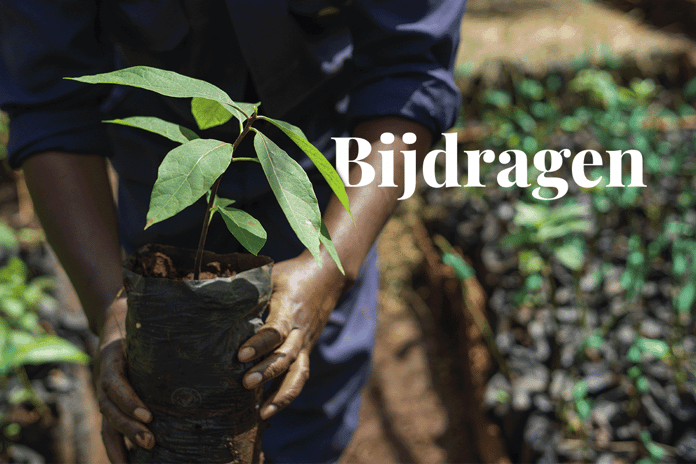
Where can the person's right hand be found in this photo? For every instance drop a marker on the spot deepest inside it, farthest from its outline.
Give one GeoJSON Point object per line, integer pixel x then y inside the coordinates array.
{"type": "Point", "coordinates": [124, 414]}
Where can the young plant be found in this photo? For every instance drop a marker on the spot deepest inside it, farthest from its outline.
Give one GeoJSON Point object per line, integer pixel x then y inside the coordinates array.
{"type": "Point", "coordinates": [23, 341]}
{"type": "Point", "coordinates": [543, 233]}
{"type": "Point", "coordinates": [195, 168]}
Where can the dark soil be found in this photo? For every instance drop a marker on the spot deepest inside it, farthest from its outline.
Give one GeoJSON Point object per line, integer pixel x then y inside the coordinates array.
{"type": "Point", "coordinates": [160, 265]}
{"type": "Point", "coordinates": [159, 261]}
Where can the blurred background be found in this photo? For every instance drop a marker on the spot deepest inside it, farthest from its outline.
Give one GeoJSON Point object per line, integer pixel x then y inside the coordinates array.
{"type": "Point", "coordinates": [512, 329]}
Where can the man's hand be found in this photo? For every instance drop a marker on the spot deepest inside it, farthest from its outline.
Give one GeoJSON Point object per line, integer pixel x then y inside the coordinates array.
{"type": "Point", "coordinates": [303, 297]}
{"type": "Point", "coordinates": [123, 412]}
{"type": "Point", "coordinates": [73, 199]}
{"type": "Point", "coordinates": [304, 294]}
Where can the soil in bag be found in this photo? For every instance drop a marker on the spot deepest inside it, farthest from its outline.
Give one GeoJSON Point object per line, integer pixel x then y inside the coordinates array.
{"type": "Point", "coordinates": [182, 341]}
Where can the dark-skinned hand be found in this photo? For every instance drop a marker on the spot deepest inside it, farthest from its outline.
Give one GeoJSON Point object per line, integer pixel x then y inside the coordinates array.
{"type": "Point", "coordinates": [124, 414]}
{"type": "Point", "coordinates": [304, 295]}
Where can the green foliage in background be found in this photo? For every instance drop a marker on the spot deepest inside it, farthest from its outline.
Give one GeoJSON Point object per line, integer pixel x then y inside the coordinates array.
{"type": "Point", "coordinates": [23, 341]}
{"type": "Point", "coordinates": [593, 109]}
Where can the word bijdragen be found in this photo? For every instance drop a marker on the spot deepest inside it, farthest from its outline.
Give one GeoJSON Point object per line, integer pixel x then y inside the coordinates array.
{"type": "Point", "coordinates": [546, 161]}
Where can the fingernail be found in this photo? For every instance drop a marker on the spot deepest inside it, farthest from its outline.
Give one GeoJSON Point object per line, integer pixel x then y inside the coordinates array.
{"type": "Point", "coordinates": [253, 380]}
{"type": "Point", "coordinates": [245, 354]}
{"type": "Point", "coordinates": [269, 411]}
{"type": "Point", "coordinates": [143, 415]}
{"type": "Point", "coordinates": [145, 440]}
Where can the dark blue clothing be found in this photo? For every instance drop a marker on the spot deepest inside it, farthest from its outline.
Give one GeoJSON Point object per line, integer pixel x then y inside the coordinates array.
{"type": "Point", "coordinates": [324, 65]}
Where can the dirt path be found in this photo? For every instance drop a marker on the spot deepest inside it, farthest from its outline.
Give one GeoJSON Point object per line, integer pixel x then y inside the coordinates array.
{"type": "Point", "coordinates": [547, 33]}
{"type": "Point", "coordinates": [403, 419]}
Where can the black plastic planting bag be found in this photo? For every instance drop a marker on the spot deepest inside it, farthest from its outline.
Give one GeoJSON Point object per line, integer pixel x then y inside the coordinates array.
{"type": "Point", "coordinates": [182, 341]}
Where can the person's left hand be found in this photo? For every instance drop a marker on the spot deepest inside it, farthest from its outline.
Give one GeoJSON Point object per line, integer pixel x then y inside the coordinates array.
{"type": "Point", "coordinates": [303, 297]}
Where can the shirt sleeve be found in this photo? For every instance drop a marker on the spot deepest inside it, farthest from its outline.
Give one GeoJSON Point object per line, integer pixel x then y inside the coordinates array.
{"type": "Point", "coordinates": [41, 42]}
{"type": "Point", "coordinates": [404, 56]}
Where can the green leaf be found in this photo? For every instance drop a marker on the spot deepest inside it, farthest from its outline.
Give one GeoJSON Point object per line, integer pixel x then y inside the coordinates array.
{"type": "Point", "coordinates": [517, 239]}
{"type": "Point", "coordinates": [501, 396]}
{"type": "Point", "coordinates": [530, 88]}
{"type": "Point", "coordinates": [530, 215]}
{"type": "Point", "coordinates": [525, 121]}
{"type": "Point", "coordinates": [534, 282]}
{"type": "Point", "coordinates": [19, 337]}
{"type": "Point", "coordinates": [547, 233]}
{"type": "Point", "coordinates": [325, 239]}
{"type": "Point", "coordinates": [686, 297]}
{"type": "Point", "coordinates": [594, 341]}
{"type": "Point", "coordinates": [461, 267]}
{"type": "Point", "coordinates": [580, 390]}
{"type": "Point", "coordinates": [645, 437]}
{"type": "Point", "coordinates": [690, 89]}
{"type": "Point", "coordinates": [657, 348]}
{"type": "Point", "coordinates": [497, 98]}
{"type": "Point", "coordinates": [219, 202]}
{"type": "Point", "coordinates": [636, 258]}
{"type": "Point", "coordinates": [570, 124]}
{"type": "Point", "coordinates": [530, 262]}
{"type": "Point", "coordinates": [571, 255]}
{"type": "Point", "coordinates": [161, 81]}
{"type": "Point", "coordinates": [173, 132]}
{"type": "Point", "coordinates": [8, 238]}
{"type": "Point", "coordinates": [186, 173]}
{"type": "Point", "coordinates": [12, 430]}
{"type": "Point", "coordinates": [634, 372]}
{"type": "Point", "coordinates": [222, 202]}
{"type": "Point", "coordinates": [13, 307]}
{"type": "Point", "coordinates": [655, 450]}
{"type": "Point", "coordinates": [19, 396]}
{"type": "Point", "coordinates": [584, 408]}
{"type": "Point", "coordinates": [30, 323]}
{"type": "Point", "coordinates": [542, 110]}
{"type": "Point", "coordinates": [569, 211]}
{"type": "Point", "coordinates": [48, 348]}
{"type": "Point", "coordinates": [319, 160]}
{"type": "Point", "coordinates": [293, 190]}
{"type": "Point", "coordinates": [167, 83]}
{"type": "Point", "coordinates": [642, 384]}
{"type": "Point", "coordinates": [634, 354]}
{"type": "Point", "coordinates": [31, 236]}
{"type": "Point", "coordinates": [245, 228]}
{"type": "Point", "coordinates": [15, 270]}
{"type": "Point", "coordinates": [210, 113]}
{"type": "Point", "coordinates": [4, 334]}
{"type": "Point", "coordinates": [34, 292]}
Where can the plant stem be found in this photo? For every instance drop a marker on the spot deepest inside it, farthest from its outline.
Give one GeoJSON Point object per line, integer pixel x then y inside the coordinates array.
{"type": "Point", "coordinates": [213, 193]}
{"type": "Point", "coordinates": [479, 318]}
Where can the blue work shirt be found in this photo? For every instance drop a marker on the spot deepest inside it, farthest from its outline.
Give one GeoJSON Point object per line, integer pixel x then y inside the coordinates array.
{"type": "Point", "coordinates": [323, 65]}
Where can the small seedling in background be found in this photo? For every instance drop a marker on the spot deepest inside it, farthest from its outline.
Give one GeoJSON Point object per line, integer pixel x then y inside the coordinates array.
{"type": "Point", "coordinates": [22, 340]}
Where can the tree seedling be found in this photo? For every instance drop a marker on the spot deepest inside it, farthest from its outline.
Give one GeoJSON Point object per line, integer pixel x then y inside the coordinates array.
{"type": "Point", "coordinates": [195, 168]}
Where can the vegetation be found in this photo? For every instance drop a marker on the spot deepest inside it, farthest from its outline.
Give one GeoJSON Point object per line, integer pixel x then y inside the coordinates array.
{"type": "Point", "coordinates": [195, 168]}
{"type": "Point", "coordinates": [23, 340]}
{"type": "Point", "coordinates": [602, 294]}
